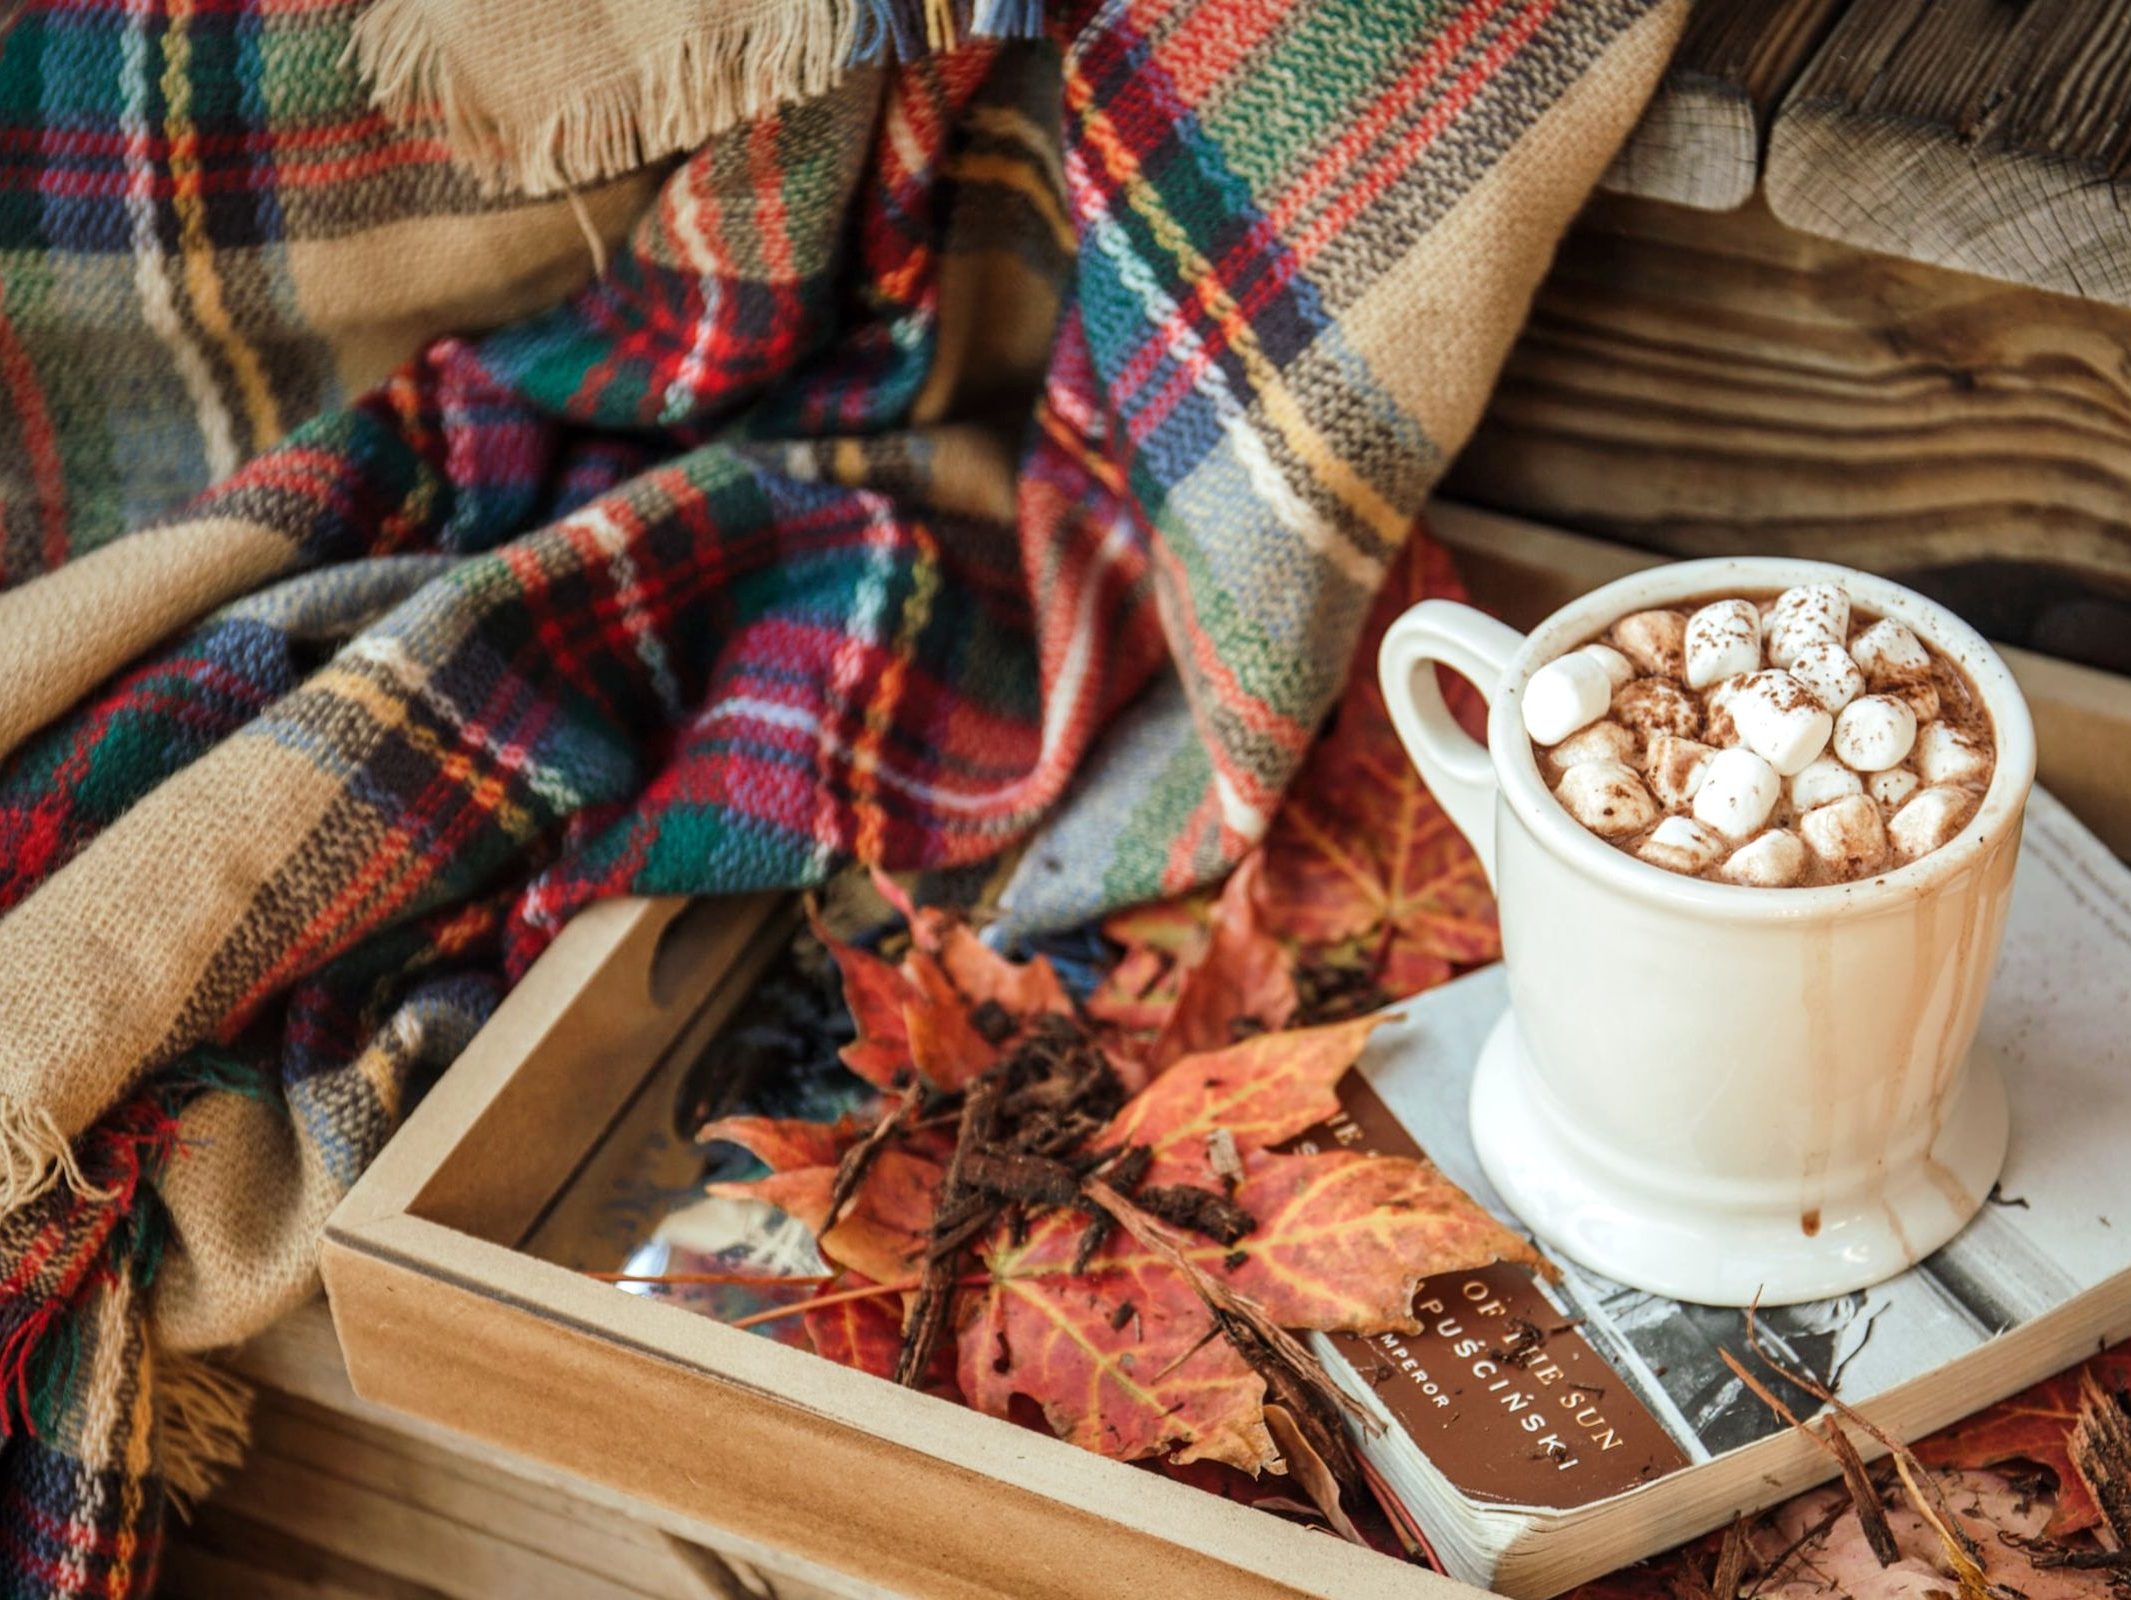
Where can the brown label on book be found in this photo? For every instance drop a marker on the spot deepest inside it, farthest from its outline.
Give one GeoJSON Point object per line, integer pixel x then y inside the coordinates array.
{"type": "Point", "coordinates": [1499, 1389]}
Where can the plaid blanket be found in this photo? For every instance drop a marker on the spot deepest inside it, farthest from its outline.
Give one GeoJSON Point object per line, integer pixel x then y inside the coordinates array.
{"type": "Point", "coordinates": [1002, 444]}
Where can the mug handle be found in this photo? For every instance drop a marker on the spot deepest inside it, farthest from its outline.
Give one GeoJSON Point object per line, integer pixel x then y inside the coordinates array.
{"type": "Point", "coordinates": [1455, 765]}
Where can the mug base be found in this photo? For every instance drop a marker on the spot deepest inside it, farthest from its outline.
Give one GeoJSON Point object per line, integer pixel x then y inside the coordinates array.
{"type": "Point", "coordinates": [1732, 1253]}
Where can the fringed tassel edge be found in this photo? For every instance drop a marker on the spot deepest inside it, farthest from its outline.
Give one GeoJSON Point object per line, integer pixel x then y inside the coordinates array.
{"type": "Point", "coordinates": [36, 1156]}
{"type": "Point", "coordinates": [724, 72]}
{"type": "Point", "coordinates": [205, 1415]}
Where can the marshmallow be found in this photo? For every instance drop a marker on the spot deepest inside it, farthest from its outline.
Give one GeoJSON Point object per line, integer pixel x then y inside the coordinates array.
{"type": "Point", "coordinates": [1892, 787]}
{"type": "Point", "coordinates": [1738, 791]}
{"type": "Point", "coordinates": [1675, 768]}
{"type": "Point", "coordinates": [1723, 639]}
{"type": "Point", "coordinates": [1776, 860]}
{"type": "Point", "coordinates": [1718, 727]}
{"type": "Point", "coordinates": [1780, 721]}
{"type": "Point", "coordinates": [1810, 611]}
{"type": "Point", "coordinates": [1652, 705]}
{"type": "Point", "coordinates": [1922, 699]}
{"type": "Point", "coordinates": [1828, 673]}
{"type": "Point", "coordinates": [1681, 844]}
{"type": "Point", "coordinates": [1929, 820]}
{"type": "Point", "coordinates": [1846, 834]}
{"type": "Point", "coordinates": [1605, 740]}
{"type": "Point", "coordinates": [1618, 667]}
{"type": "Point", "coordinates": [1890, 654]}
{"type": "Point", "coordinates": [1823, 780]}
{"type": "Point", "coordinates": [1606, 797]}
{"type": "Point", "coordinates": [1656, 641]}
{"type": "Point", "coordinates": [1568, 693]}
{"type": "Point", "coordinates": [1875, 733]}
{"type": "Point", "coordinates": [1947, 754]}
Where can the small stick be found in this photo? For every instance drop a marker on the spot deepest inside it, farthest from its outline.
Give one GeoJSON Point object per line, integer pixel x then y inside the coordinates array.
{"type": "Point", "coordinates": [819, 1301]}
{"type": "Point", "coordinates": [1731, 1561]}
{"type": "Point", "coordinates": [852, 1169]}
{"type": "Point", "coordinates": [1775, 1568]}
{"type": "Point", "coordinates": [862, 1292]}
{"type": "Point", "coordinates": [1871, 1515]}
{"type": "Point", "coordinates": [1220, 1298]}
{"type": "Point", "coordinates": [928, 1315]}
{"type": "Point", "coordinates": [743, 1280]}
{"type": "Point", "coordinates": [1941, 1518]}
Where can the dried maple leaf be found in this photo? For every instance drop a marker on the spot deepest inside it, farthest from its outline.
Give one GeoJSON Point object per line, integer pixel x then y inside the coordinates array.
{"type": "Point", "coordinates": [923, 1017]}
{"type": "Point", "coordinates": [1243, 981]}
{"type": "Point", "coordinates": [1124, 1357]}
{"type": "Point", "coordinates": [883, 1228]}
{"type": "Point", "coordinates": [866, 1332]}
{"type": "Point", "coordinates": [1113, 1334]}
{"type": "Point", "coordinates": [2036, 1425]}
{"type": "Point", "coordinates": [1361, 861]}
{"type": "Point", "coordinates": [1263, 1091]}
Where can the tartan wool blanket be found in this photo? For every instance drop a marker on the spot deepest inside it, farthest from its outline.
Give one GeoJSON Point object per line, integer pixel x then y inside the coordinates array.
{"type": "Point", "coordinates": [1001, 440]}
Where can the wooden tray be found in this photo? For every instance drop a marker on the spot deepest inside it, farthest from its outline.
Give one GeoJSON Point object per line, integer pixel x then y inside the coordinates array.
{"type": "Point", "coordinates": [771, 1452]}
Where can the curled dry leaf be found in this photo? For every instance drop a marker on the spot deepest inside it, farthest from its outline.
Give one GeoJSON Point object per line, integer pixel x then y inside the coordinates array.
{"type": "Point", "coordinates": [2036, 1425]}
{"type": "Point", "coordinates": [1243, 983]}
{"type": "Point", "coordinates": [1834, 1559]}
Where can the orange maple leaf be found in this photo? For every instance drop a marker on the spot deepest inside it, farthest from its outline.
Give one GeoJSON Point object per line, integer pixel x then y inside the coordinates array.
{"type": "Point", "coordinates": [1125, 1357]}
{"type": "Point", "coordinates": [921, 1017]}
{"type": "Point", "coordinates": [866, 1332]}
{"type": "Point", "coordinates": [1360, 853]}
{"type": "Point", "coordinates": [1121, 1352]}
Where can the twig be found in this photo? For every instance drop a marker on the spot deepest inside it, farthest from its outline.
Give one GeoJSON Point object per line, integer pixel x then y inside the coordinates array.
{"type": "Point", "coordinates": [928, 1315]}
{"type": "Point", "coordinates": [820, 1301]}
{"type": "Point", "coordinates": [1731, 1561]}
{"type": "Point", "coordinates": [1940, 1516]}
{"type": "Point", "coordinates": [1871, 1515]}
{"type": "Point", "coordinates": [1775, 1568]}
{"type": "Point", "coordinates": [866, 1291]}
{"type": "Point", "coordinates": [858, 1160]}
{"type": "Point", "coordinates": [743, 1280]}
{"type": "Point", "coordinates": [1220, 1298]}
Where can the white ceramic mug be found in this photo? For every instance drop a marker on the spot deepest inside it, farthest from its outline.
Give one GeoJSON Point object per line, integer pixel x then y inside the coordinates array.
{"type": "Point", "coordinates": [1710, 1091]}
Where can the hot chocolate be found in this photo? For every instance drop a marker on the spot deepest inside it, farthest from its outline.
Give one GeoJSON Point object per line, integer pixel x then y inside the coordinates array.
{"type": "Point", "coordinates": [1780, 741]}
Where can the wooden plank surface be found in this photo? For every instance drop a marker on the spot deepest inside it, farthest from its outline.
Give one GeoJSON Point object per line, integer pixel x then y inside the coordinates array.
{"type": "Point", "coordinates": [1702, 384]}
{"type": "Point", "coordinates": [342, 1499]}
{"type": "Point", "coordinates": [1981, 135]}
{"type": "Point", "coordinates": [1701, 140]}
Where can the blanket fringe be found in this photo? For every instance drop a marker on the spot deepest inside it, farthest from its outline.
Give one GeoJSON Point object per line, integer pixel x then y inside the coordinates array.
{"type": "Point", "coordinates": [36, 1156]}
{"type": "Point", "coordinates": [727, 63]}
{"type": "Point", "coordinates": [723, 69]}
{"type": "Point", "coordinates": [205, 1413]}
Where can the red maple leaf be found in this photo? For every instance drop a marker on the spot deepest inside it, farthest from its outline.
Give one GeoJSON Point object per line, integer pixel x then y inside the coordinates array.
{"type": "Point", "coordinates": [1363, 885]}
{"type": "Point", "coordinates": [1118, 1347]}
{"type": "Point", "coordinates": [865, 1331]}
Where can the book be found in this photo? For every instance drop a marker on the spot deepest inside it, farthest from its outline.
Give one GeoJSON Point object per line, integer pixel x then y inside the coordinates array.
{"type": "Point", "coordinates": [1542, 1434]}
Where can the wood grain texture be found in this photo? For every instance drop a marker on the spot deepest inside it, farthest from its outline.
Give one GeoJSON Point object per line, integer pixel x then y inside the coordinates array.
{"type": "Point", "coordinates": [1699, 384]}
{"type": "Point", "coordinates": [341, 1499]}
{"type": "Point", "coordinates": [1701, 140]}
{"type": "Point", "coordinates": [1981, 135]}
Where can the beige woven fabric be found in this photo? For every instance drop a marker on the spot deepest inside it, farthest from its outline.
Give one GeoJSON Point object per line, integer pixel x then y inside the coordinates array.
{"type": "Point", "coordinates": [544, 97]}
